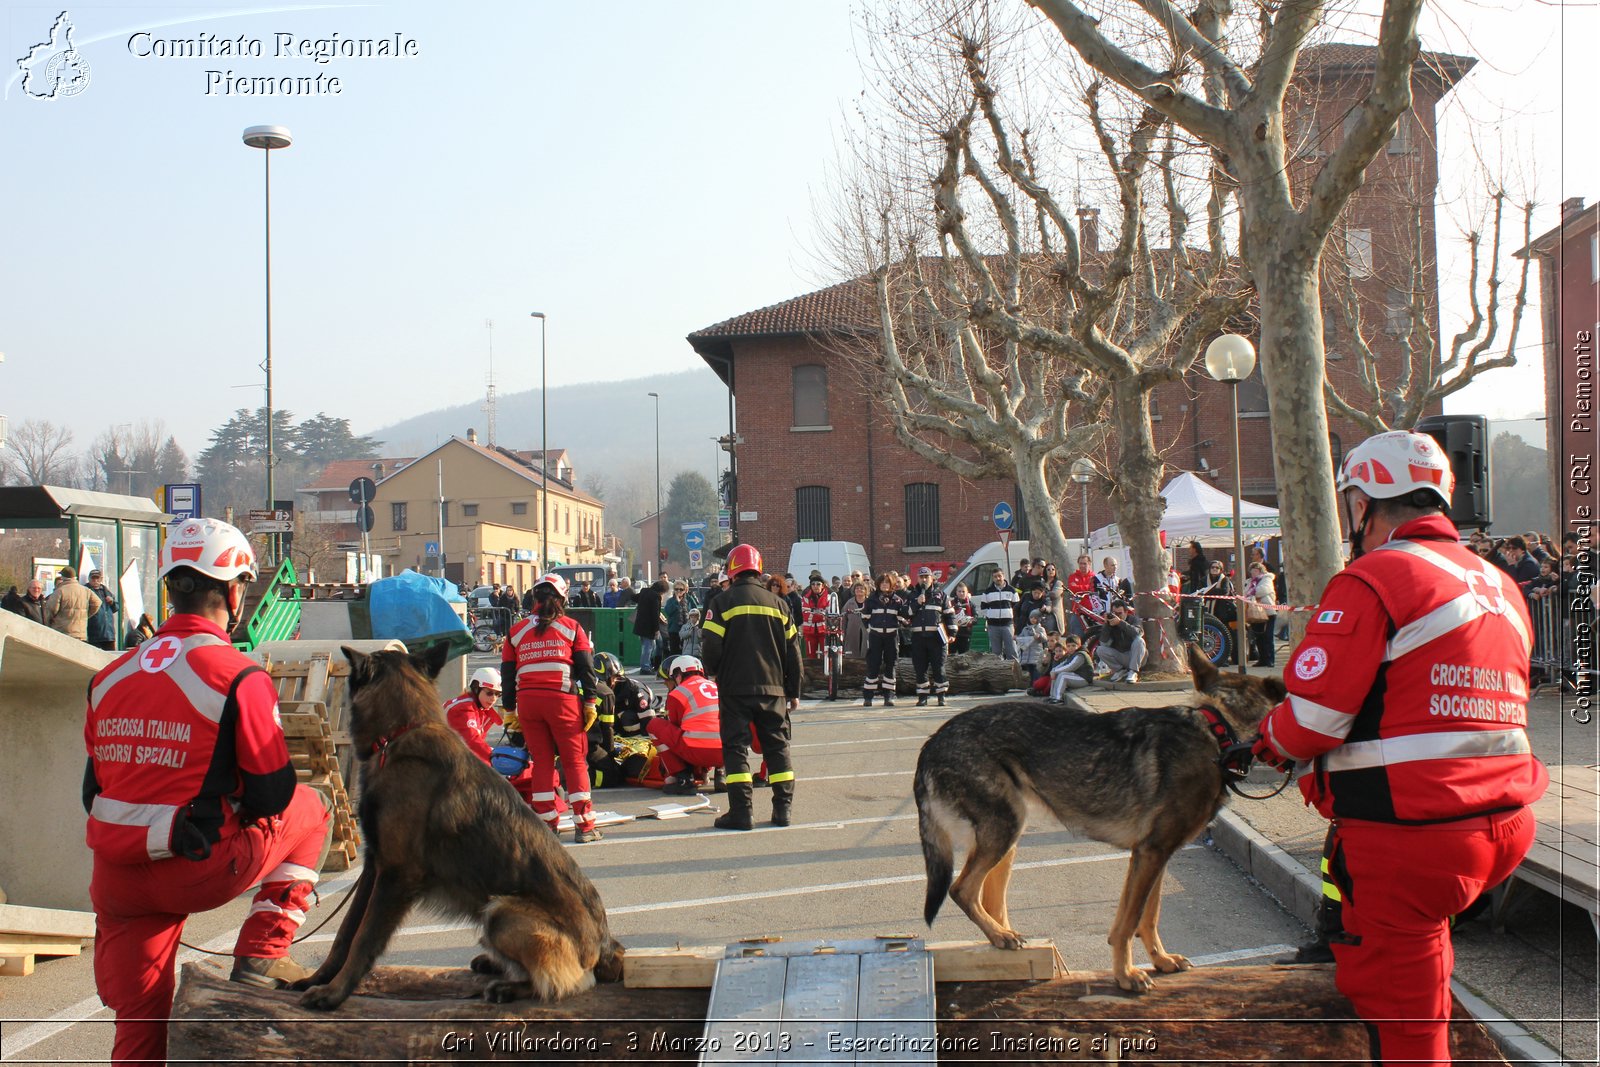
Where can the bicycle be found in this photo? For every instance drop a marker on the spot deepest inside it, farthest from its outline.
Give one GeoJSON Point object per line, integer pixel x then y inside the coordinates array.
{"type": "Point", "coordinates": [833, 652]}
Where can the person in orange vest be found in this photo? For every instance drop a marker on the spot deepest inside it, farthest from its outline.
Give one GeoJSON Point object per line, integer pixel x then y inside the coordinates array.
{"type": "Point", "coordinates": [192, 796]}
{"type": "Point", "coordinates": [550, 656]}
{"type": "Point", "coordinates": [816, 604]}
{"type": "Point", "coordinates": [689, 737]}
{"type": "Point", "coordinates": [1408, 704]}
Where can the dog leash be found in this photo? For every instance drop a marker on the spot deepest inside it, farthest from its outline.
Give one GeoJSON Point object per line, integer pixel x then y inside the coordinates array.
{"type": "Point", "coordinates": [1235, 756]}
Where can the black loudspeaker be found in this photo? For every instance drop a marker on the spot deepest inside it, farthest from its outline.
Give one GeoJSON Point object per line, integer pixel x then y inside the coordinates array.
{"type": "Point", "coordinates": [1465, 439]}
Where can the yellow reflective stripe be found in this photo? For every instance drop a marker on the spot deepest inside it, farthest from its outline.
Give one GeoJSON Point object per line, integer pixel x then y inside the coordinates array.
{"type": "Point", "coordinates": [790, 633]}
{"type": "Point", "coordinates": [781, 776]}
{"type": "Point", "coordinates": [607, 718]}
{"type": "Point", "coordinates": [1331, 891]}
{"type": "Point", "coordinates": [735, 779]}
{"type": "Point", "coordinates": [715, 627]}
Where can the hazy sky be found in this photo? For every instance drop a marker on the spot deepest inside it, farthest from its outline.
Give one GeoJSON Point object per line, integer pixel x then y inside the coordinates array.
{"type": "Point", "coordinates": [635, 170]}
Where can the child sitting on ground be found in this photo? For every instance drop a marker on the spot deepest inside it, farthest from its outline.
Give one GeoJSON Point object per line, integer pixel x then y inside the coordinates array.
{"type": "Point", "coordinates": [1072, 670]}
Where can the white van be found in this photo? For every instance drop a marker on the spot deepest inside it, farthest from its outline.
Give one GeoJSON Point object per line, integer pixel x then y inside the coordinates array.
{"type": "Point", "coordinates": [978, 571]}
{"type": "Point", "coordinates": [830, 558]}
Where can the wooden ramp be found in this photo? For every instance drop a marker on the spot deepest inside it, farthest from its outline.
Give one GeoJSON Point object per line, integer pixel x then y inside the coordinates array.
{"type": "Point", "coordinates": [1267, 1014]}
{"type": "Point", "coordinates": [1565, 857]}
{"type": "Point", "coordinates": [27, 933]}
{"type": "Point", "coordinates": [314, 703]}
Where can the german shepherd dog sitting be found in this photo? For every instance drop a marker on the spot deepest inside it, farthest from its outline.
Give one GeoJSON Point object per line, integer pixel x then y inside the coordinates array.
{"type": "Point", "coordinates": [443, 830]}
{"type": "Point", "coordinates": [1144, 779]}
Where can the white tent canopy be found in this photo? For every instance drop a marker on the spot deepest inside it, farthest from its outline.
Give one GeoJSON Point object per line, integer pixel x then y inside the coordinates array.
{"type": "Point", "coordinates": [1197, 511]}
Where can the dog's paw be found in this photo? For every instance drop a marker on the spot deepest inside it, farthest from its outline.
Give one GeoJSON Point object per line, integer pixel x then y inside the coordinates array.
{"type": "Point", "coordinates": [484, 963]}
{"type": "Point", "coordinates": [323, 998]}
{"type": "Point", "coordinates": [1009, 940]}
{"type": "Point", "coordinates": [504, 992]}
{"type": "Point", "coordinates": [1135, 981]}
{"type": "Point", "coordinates": [1167, 963]}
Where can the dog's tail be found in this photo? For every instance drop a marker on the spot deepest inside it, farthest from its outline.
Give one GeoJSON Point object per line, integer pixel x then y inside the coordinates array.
{"type": "Point", "coordinates": [937, 856]}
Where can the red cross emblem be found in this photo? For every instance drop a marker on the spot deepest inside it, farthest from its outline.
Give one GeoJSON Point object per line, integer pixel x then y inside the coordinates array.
{"type": "Point", "coordinates": [155, 655]}
{"type": "Point", "coordinates": [1486, 592]}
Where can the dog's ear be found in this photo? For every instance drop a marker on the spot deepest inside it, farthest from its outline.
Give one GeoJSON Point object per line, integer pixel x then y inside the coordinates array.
{"type": "Point", "coordinates": [1276, 691]}
{"type": "Point", "coordinates": [360, 666]}
{"type": "Point", "coordinates": [1201, 670]}
{"type": "Point", "coordinates": [431, 660]}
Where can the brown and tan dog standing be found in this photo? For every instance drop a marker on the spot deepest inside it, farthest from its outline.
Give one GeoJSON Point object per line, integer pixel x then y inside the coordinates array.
{"type": "Point", "coordinates": [1144, 779]}
{"type": "Point", "coordinates": [443, 830]}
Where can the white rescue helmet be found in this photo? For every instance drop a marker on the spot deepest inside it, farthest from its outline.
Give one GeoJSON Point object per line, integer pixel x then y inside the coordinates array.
{"type": "Point", "coordinates": [209, 546]}
{"type": "Point", "coordinates": [486, 678]}
{"type": "Point", "coordinates": [1397, 464]}
{"type": "Point", "coordinates": [554, 581]}
{"type": "Point", "coordinates": [685, 664]}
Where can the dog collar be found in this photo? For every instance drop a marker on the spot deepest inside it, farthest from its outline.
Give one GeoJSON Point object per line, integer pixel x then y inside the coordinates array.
{"type": "Point", "coordinates": [1217, 726]}
{"type": "Point", "coordinates": [380, 747]}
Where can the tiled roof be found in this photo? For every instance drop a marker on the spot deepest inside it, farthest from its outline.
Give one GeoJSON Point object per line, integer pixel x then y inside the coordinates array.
{"type": "Point", "coordinates": [846, 307]}
{"type": "Point", "coordinates": [341, 472]}
{"type": "Point", "coordinates": [1339, 55]}
{"type": "Point", "coordinates": [526, 467]}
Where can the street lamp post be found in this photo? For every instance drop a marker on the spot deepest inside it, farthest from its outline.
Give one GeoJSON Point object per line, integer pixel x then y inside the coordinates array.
{"type": "Point", "coordinates": [1231, 358]}
{"type": "Point", "coordinates": [544, 457]}
{"type": "Point", "coordinates": [268, 138]}
{"type": "Point", "coordinates": [657, 397]}
{"type": "Point", "coordinates": [1083, 474]}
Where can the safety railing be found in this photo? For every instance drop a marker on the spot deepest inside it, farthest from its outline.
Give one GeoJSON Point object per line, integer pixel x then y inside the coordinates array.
{"type": "Point", "coordinates": [1563, 639]}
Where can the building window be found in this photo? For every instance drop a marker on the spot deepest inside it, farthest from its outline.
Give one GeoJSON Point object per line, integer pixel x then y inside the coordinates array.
{"type": "Point", "coordinates": [813, 514]}
{"type": "Point", "coordinates": [1336, 450]}
{"type": "Point", "coordinates": [519, 507]}
{"type": "Point", "coordinates": [1019, 521]}
{"type": "Point", "coordinates": [1330, 333]}
{"type": "Point", "coordinates": [566, 514]}
{"type": "Point", "coordinates": [922, 515]}
{"type": "Point", "coordinates": [1594, 257]}
{"type": "Point", "coordinates": [469, 511]}
{"type": "Point", "coordinates": [1397, 312]}
{"type": "Point", "coordinates": [397, 517]}
{"type": "Point", "coordinates": [1358, 253]}
{"type": "Point", "coordinates": [810, 395]}
{"type": "Point", "coordinates": [444, 514]}
{"type": "Point", "coordinates": [1400, 143]}
{"type": "Point", "coordinates": [1253, 394]}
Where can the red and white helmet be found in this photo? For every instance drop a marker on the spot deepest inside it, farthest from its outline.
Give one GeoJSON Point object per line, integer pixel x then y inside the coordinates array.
{"type": "Point", "coordinates": [1396, 464]}
{"type": "Point", "coordinates": [687, 665]}
{"type": "Point", "coordinates": [743, 558]}
{"type": "Point", "coordinates": [554, 581]}
{"type": "Point", "coordinates": [485, 678]}
{"type": "Point", "coordinates": [209, 546]}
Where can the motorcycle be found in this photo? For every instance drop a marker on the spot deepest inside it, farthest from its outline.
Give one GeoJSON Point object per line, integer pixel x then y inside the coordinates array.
{"type": "Point", "coordinates": [833, 652]}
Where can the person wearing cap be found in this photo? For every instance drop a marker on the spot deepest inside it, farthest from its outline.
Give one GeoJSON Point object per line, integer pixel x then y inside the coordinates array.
{"type": "Point", "coordinates": [550, 657]}
{"type": "Point", "coordinates": [192, 796]}
{"type": "Point", "coordinates": [102, 628]}
{"type": "Point", "coordinates": [688, 737]}
{"type": "Point", "coordinates": [932, 621]}
{"type": "Point", "coordinates": [1407, 708]}
{"type": "Point", "coordinates": [70, 606]}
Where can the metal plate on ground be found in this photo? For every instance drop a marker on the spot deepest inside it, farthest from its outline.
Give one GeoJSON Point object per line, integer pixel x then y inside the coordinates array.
{"type": "Point", "coordinates": [822, 1002]}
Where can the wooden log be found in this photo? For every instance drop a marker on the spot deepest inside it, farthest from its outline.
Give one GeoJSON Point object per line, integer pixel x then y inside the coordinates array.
{"type": "Point", "coordinates": [1261, 1014]}
{"type": "Point", "coordinates": [970, 672]}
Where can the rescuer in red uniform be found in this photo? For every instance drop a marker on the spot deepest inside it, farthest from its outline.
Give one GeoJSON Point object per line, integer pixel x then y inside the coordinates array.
{"type": "Point", "coordinates": [689, 737]}
{"type": "Point", "coordinates": [191, 796]}
{"type": "Point", "coordinates": [1409, 698]}
{"type": "Point", "coordinates": [550, 657]}
{"type": "Point", "coordinates": [472, 714]}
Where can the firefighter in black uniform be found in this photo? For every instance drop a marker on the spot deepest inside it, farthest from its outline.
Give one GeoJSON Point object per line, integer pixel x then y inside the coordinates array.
{"type": "Point", "coordinates": [752, 647]}
{"type": "Point", "coordinates": [883, 614]}
{"type": "Point", "coordinates": [933, 619]}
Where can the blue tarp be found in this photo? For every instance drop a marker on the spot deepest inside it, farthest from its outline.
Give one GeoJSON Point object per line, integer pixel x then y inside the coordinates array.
{"type": "Point", "coordinates": [415, 608]}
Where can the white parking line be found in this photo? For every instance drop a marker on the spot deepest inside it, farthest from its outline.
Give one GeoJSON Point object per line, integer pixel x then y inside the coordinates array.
{"type": "Point", "coordinates": [860, 741]}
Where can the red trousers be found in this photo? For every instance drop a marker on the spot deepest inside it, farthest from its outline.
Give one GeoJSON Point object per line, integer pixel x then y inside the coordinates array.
{"type": "Point", "coordinates": [552, 723]}
{"type": "Point", "coordinates": [1401, 884]}
{"type": "Point", "coordinates": [678, 755]}
{"type": "Point", "coordinates": [815, 641]}
{"type": "Point", "coordinates": [140, 910]}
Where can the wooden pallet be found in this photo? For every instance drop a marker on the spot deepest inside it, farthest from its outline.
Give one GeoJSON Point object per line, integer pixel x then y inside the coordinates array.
{"type": "Point", "coordinates": [313, 702]}
{"type": "Point", "coordinates": [26, 933]}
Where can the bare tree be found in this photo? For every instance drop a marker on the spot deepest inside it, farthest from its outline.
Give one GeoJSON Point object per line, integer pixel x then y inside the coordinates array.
{"type": "Point", "coordinates": [1426, 375]}
{"type": "Point", "coordinates": [1160, 55]}
{"type": "Point", "coordinates": [38, 452]}
{"type": "Point", "coordinates": [1009, 342]}
{"type": "Point", "coordinates": [134, 458]}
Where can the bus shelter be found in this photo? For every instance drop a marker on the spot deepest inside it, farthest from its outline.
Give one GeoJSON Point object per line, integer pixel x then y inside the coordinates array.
{"type": "Point", "coordinates": [109, 532]}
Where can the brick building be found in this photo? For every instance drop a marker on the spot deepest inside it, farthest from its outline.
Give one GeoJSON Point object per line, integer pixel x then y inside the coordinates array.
{"type": "Point", "coordinates": [1569, 292]}
{"type": "Point", "coordinates": [818, 458]}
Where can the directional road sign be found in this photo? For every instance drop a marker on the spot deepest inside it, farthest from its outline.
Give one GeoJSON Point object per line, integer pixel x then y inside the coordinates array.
{"type": "Point", "coordinates": [695, 540]}
{"type": "Point", "coordinates": [1003, 516]}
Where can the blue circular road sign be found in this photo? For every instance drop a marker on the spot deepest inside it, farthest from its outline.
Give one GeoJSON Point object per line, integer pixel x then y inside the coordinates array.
{"type": "Point", "coordinates": [1003, 516]}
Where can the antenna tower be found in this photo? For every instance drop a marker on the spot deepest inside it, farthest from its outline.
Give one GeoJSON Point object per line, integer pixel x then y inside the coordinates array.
{"type": "Point", "coordinates": [489, 398]}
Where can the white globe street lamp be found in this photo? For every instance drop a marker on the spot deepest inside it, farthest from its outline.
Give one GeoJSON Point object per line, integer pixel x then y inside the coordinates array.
{"type": "Point", "coordinates": [268, 138]}
{"type": "Point", "coordinates": [1231, 358]}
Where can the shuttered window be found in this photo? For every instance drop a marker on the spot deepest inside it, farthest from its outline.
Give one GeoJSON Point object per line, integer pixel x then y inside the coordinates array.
{"type": "Point", "coordinates": [813, 513]}
{"type": "Point", "coordinates": [810, 395]}
{"type": "Point", "coordinates": [922, 515]}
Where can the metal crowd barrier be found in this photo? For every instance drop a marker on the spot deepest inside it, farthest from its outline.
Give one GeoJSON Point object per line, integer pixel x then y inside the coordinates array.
{"type": "Point", "coordinates": [1564, 641]}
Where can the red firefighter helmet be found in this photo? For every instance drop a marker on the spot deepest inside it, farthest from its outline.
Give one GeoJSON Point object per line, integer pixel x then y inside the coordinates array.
{"type": "Point", "coordinates": [743, 558]}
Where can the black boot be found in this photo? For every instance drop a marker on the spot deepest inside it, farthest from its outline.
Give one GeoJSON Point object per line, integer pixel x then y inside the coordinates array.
{"type": "Point", "coordinates": [737, 816]}
{"type": "Point", "coordinates": [887, 702]}
{"type": "Point", "coordinates": [922, 700]}
{"type": "Point", "coordinates": [941, 700]}
{"type": "Point", "coordinates": [782, 799]}
{"type": "Point", "coordinates": [866, 700]}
